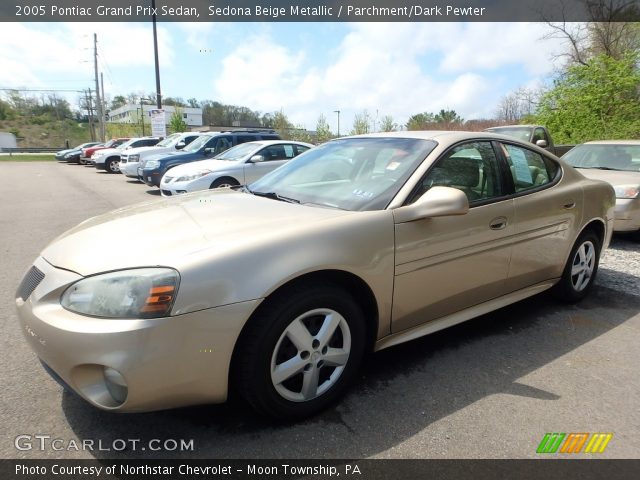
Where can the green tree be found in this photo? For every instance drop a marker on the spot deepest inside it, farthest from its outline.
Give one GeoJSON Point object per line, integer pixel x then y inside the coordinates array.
{"type": "Point", "coordinates": [420, 121]}
{"type": "Point", "coordinates": [323, 130]}
{"type": "Point", "coordinates": [117, 102]}
{"type": "Point", "coordinates": [176, 123]}
{"type": "Point", "coordinates": [448, 118]}
{"type": "Point", "coordinates": [387, 124]}
{"type": "Point", "coordinates": [361, 123]}
{"type": "Point", "coordinates": [596, 100]}
{"type": "Point", "coordinates": [282, 125]}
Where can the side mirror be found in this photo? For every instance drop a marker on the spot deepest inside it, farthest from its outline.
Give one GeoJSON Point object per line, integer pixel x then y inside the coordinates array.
{"type": "Point", "coordinates": [435, 202]}
{"type": "Point", "coordinates": [541, 143]}
{"type": "Point", "coordinates": [180, 145]}
{"type": "Point", "coordinates": [256, 159]}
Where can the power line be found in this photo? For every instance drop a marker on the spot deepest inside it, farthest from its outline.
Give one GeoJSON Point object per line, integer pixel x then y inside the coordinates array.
{"type": "Point", "coordinates": [39, 90]}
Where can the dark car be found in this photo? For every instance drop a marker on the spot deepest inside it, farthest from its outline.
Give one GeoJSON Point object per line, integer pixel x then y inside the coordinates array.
{"type": "Point", "coordinates": [73, 154]}
{"type": "Point", "coordinates": [207, 146]}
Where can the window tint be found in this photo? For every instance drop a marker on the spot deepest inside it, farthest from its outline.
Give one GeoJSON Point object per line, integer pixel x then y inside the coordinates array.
{"type": "Point", "coordinates": [222, 144]}
{"type": "Point", "coordinates": [190, 138]}
{"type": "Point", "coordinates": [246, 138]}
{"type": "Point", "coordinates": [528, 169]}
{"type": "Point", "coordinates": [277, 152]}
{"type": "Point", "coordinates": [539, 134]}
{"type": "Point", "coordinates": [300, 149]}
{"type": "Point", "coordinates": [470, 167]}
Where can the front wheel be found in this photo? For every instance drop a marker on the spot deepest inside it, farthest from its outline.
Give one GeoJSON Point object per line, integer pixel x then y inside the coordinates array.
{"type": "Point", "coordinates": [580, 270]}
{"type": "Point", "coordinates": [224, 183]}
{"type": "Point", "coordinates": [301, 352]}
{"type": "Point", "coordinates": [113, 165]}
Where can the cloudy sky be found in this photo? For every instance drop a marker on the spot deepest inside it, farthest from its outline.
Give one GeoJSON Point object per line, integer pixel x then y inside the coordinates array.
{"type": "Point", "coordinates": [306, 70]}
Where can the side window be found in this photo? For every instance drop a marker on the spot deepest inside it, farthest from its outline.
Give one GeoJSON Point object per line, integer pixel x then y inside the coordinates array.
{"type": "Point", "coordinates": [190, 138]}
{"type": "Point", "coordinates": [245, 139]}
{"type": "Point", "coordinates": [528, 169]}
{"type": "Point", "coordinates": [300, 149]}
{"type": "Point", "coordinates": [539, 134]}
{"type": "Point", "coordinates": [275, 152]}
{"type": "Point", "coordinates": [470, 167]}
{"type": "Point", "coordinates": [223, 143]}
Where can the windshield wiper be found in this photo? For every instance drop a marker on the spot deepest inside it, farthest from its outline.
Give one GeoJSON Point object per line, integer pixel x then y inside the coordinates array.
{"type": "Point", "coordinates": [602, 168]}
{"type": "Point", "coordinates": [273, 196]}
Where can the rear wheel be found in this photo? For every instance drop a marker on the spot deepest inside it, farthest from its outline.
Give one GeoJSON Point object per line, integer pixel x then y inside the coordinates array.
{"type": "Point", "coordinates": [300, 352]}
{"type": "Point", "coordinates": [580, 270]}
{"type": "Point", "coordinates": [112, 165]}
{"type": "Point", "coordinates": [224, 182]}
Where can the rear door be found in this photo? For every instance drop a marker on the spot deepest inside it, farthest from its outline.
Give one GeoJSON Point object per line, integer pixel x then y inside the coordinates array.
{"type": "Point", "coordinates": [546, 210]}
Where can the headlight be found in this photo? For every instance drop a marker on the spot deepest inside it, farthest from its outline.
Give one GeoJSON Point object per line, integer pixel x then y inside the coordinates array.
{"type": "Point", "coordinates": [137, 293]}
{"type": "Point", "coordinates": [152, 164]}
{"type": "Point", "coordinates": [627, 191]}
{"type": "Point", "coordinates": [71, 154]}
{"type": "Point", "coordinates": [133, 158]}
{"type": "Point", "coordinates": [186, 178]}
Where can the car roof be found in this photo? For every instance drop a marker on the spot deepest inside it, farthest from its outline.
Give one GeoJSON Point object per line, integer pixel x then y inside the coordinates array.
{"type": "Point", "coordinates": [444, 135]}
{"type": "Point", "coordinates": [277, 142]}
{"type": "Point", "coordinates": [613, 142]}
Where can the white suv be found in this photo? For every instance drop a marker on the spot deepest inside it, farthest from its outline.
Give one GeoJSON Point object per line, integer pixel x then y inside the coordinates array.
{"type": "Point", "coordinates": [129, 161]}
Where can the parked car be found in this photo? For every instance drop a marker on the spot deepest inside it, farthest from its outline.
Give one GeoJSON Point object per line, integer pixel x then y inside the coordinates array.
{"type": "Point", "coordinates": [73, 154]}
{"type": "Point", "coordinates": [109, 159]}
{"type": "Point", "coordinates": [616, 162]}
{"type": "Point", "coordinates": [239, 165]}
{"type": "Point", "coordinates": [279, 288]}
{"type": "Point", "coordinates": [85, 156]}
{"type": "Point", "coordinates": [207, 146]}
{"type": "Point", "coordinates": [129, 161]}
{"type": "Point", "coordinates": [536, 134]}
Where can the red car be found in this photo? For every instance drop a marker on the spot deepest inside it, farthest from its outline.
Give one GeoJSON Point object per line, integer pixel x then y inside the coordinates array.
{"type": "Point", "coordinates": [85, 156]}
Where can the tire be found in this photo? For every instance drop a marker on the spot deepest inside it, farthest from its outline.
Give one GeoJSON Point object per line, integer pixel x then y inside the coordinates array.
{"type": "Point", "coordinates": [289, 331]}
{"type": "Point", "coordinates": [581, 269]}
{"type": "Point", "coordinates": [224, 182]}
{"type": "Point", "coordinates": [112, 165]}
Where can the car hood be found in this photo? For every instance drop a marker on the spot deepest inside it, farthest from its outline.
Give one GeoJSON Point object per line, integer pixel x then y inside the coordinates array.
{"type": "Point", "coordinates": [213, 165]}
{"type": "Point", "coordinates": [107, 151]}
{"type": "Point", "coordinates": [614, 177]}
{"type": "Point", "coordinates": [178, 231]}
{"type": "Point", "coordinates": [133, 151]}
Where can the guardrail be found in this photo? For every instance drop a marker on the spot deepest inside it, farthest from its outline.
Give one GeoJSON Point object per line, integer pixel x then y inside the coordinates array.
{"type": "Point", "coordinates": [31, 150]}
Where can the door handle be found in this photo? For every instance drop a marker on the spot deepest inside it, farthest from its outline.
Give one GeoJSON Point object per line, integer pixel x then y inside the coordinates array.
{"type": "Point", "coordinates": [498, 223]}
{"type": "Point", "coordinates": [569, 206]}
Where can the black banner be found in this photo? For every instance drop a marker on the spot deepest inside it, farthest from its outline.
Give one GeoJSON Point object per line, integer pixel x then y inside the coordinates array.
{"type": "Point", "coordinates": [319, 10]}
{"type": "Point", "coordinates": [583, 469]}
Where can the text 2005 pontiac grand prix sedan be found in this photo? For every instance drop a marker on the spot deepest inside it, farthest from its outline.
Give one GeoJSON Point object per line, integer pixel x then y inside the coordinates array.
{"type": "Point", "coordinates": [278, 290]}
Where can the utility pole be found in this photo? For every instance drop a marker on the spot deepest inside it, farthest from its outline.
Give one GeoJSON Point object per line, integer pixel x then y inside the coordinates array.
{"type": "Point", "coordinates": [98, 102]}
{"type": "Point", "coordinates": [338, 112]}
{"type": "Point", "coordinates": [92, 130]}
{"type": "Point", "coordinates": [155, 51]}
{"type": "Point", "coordinates": [104, 108]}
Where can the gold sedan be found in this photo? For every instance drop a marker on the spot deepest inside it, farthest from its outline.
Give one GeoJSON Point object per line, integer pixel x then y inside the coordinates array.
{"type": "Point", "coordinates": [279, 289]}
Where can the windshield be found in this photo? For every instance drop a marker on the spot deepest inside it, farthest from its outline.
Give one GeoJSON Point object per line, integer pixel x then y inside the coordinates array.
{"type": "Point", "coordinates": [169, 140]}
{"type": "Point", "coordinates": [125, 145]}
{"type": "Point", "coordinates": [197, 144]}
{"type": "Point", "coordinates": [521, 133]}
{"type": "Point", "coordinates": [351, 174]}
{"type": "Point", "coordinates": [606, 157]}
{"type": "Point", "coordinates": [238, 151]}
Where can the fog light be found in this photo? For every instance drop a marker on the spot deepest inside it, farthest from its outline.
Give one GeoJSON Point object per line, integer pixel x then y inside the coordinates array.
{"type": "Point", "coordinates": [116, 384]}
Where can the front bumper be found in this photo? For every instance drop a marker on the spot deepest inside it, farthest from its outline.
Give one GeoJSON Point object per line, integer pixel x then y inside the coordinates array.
{"type": "Point", "coordinates": [163, 363]}
{"type": "Point", "coordinates": [129, 169]}
{"type": "Point", "coordinates": [627, 215]}
{"type": "Point", "coordinates": [150, 177]}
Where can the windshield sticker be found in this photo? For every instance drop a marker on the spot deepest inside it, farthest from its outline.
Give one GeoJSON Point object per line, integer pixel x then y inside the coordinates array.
{"type": "Point", "coordinates": [362, 193]}
{"type": "Point", "coordinates": [393, 165]}
{"type": "Point", "coordinates": [520, 165]}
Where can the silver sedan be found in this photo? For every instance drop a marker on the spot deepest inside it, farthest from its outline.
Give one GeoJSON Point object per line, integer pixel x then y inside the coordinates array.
{"type": "Point", "coordinates": [280, 288]}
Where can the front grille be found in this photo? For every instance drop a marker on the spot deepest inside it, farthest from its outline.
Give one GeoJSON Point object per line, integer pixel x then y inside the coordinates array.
{"type": "Point", "coordinates": [166, 192]}
{"type": "Point", "coordinates": [123, 159]}
{"type": "Point", "coordinates": [29, 283]}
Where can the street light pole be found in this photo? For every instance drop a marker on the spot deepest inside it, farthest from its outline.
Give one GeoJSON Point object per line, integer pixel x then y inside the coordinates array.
{"type": "Point", "coordinates": [155, 51]}
{"type": "Point", "coordinates": [338, 112]}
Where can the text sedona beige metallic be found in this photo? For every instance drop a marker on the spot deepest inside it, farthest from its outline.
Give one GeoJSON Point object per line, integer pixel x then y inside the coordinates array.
{"type": "Point", "coordinates": [278, 289]}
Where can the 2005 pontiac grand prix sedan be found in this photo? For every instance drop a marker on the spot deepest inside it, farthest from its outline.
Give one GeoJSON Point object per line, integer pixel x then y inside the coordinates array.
{"type": "Point", "coordinates": [279, 289]}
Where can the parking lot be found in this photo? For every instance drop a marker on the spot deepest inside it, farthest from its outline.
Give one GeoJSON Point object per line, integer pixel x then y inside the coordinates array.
{"type": "Point", "coordinates": [488, 388]}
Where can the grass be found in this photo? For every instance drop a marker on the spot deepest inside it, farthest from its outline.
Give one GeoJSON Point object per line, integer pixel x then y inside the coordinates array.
{"type": "Point", "coordinates": [26, 157]}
